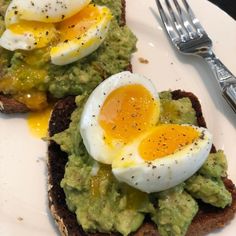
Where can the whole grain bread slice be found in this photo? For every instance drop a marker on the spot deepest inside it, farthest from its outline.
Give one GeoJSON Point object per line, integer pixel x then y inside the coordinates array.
{"type": "Point", "coordinates": [208, 218]}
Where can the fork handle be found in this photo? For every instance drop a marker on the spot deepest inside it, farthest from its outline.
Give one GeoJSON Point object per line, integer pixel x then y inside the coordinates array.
{"type": "Point", "coordinates": [224, 77]}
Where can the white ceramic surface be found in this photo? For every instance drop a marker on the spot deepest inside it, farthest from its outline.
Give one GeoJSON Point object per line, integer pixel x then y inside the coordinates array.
{"type": "Point", "coordinates": [23, 173]}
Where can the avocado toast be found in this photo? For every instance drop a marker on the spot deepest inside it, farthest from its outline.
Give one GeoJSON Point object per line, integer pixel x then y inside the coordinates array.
{"type": "Point", "coordinates": [207, 219]}
{"type": "Point", "coordinates": [29, 80]}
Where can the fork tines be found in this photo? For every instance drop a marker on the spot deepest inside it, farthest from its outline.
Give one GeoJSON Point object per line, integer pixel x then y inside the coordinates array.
{"type": "Point", "coordinates": [180, 22]}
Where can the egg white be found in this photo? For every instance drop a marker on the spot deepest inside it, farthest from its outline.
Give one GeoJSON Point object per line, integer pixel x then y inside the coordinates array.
{"type": "Point", "coordinates": [30, 39]}
{"type": "Point", "coordinates": [43, 10]}
{"type": "Point", "coordinates": [162, 173]}
{"type": "Point", "coordinates": [90, 129]}
{"type": "Point", "coordinates": [13, 41]}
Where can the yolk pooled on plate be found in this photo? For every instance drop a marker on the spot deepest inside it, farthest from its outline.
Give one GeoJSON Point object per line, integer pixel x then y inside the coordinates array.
{"type": "Point", "coordinates": [38, 122]}
{"type": "Point", "coordinates": [165, 140]}
{"type": "Point", "coordinates": [127, 112]}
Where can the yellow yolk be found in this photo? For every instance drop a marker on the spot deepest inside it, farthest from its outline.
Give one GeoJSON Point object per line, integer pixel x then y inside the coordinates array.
{"type": "Point", "coordinates": [34, 100]}
{"type": "Point", "coordinates": [43, 33]}
{"type": "Point", "coordinates": [134, 197]}
{"type": "Point", "coordinates": [81, 34]}
{"type": "Point", "coordinates": [103, 174]}
{"type": "Point", "coordinates": [127, 112]}
{"type": "Point", "coordinates": [78, 24]}
{"type": "Point", "coordinates": [38, 122]}
{"type": "Point", "coordinates": [165, 140]}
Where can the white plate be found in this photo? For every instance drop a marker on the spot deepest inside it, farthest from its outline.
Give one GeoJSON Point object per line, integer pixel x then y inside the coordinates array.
{"type": "Point", "coordinates": [23, 174]}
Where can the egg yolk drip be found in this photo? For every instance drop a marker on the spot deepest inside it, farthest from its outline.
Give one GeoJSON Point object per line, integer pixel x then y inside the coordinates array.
{"type": "Point", "coordinates": [78, 24]}
{"type": "Point", "coordinates": [128, 111]}
{"type": "Point", "coordinates": [43, 33]}
{"type": "Point", "coordinates": [21, 83]}
{"type": "Point", "coordinates": [38, 122]}
{"type": "Point", "coordinates": [134, 197]}
{"type": "Point", "coordinates": [165, 140]}
{"type": "Point", "coordinates": [103, 174]}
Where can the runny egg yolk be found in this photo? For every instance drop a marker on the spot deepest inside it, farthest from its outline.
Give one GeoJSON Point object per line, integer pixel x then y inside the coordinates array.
{"type": "Point", "coordinates": [103, 174]}
{"type": "Point", "coordinates": [127, 112]}
{"type": "Point", "coordinates": [134, 197]}
{"type": "Point", "coordinates": [78, 24]}
{"type": "Point", "coordinates": [43, 33]}
{"type": "Point", "coordinates": [165, 140]}
{"type": "Point", "coordinates": [38, 122]}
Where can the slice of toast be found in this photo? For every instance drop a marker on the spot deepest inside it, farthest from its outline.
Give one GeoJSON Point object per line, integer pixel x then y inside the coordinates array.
{"type": "Point", "coordinates": [208, 218]}
{"type": "Point", "coordinates": [10, 105]}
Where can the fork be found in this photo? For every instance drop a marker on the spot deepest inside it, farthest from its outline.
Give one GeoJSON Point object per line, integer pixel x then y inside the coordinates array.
{"type": "Point", "coordinates": [189, 37]}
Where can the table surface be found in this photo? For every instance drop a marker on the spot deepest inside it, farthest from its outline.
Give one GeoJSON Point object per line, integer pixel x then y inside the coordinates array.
{"type": "Point", "coordinates": [228, 6]}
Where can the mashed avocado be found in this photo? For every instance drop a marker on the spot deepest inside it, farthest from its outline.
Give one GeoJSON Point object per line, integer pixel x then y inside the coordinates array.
{"type": "Point", "coordinates": [175, 209]}
{"type": "Point", "coordinates": [103, 204]}
{"type": "Point", "coordinates": [25, 73]}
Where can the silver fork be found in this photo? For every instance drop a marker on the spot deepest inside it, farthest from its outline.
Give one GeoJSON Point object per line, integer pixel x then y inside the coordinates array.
{"type": "Point", "coordinates": [189, 37]}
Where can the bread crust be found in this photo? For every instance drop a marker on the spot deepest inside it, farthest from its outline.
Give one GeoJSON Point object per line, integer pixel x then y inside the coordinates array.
{"type": "Point", "coordinates": [207, 219]}
{"type": "Point", "coordinates": [10, 105]}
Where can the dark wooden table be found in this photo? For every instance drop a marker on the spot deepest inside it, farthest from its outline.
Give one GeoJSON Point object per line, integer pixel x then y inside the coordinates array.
{"type": "Point", "coordinates": [228, 6]}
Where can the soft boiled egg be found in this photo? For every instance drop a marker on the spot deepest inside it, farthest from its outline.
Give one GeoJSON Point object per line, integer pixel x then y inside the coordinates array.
{"type": "Point", "coordinates": [119, 126]}
{"type": "Point", "coordinates": [72, 30]}
{"type": "Point", "coordinates": [118, 110]}
{"type": "Point", "coordinates": [162, 157]}
{"type": "Point", "coordinates": [81, 34]}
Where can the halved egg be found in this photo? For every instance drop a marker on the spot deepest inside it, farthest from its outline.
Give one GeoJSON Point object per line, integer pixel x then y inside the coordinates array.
{"type": "Point", "coordinates": [162, 157]}
{"type": "Point", "coordinates": [77, 30]}
{"type": "Point", "coordinates": [119, 110]}
{"type": "Point", "coordinates": [119, 126]}
{"type": "Point", "coordinates": [81, 34]}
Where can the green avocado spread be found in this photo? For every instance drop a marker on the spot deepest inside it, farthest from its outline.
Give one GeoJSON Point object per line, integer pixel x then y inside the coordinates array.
{"type": "Point", "coordinates": [103, 204]}
{"type": "Point", "coordinates": [29, 75]}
